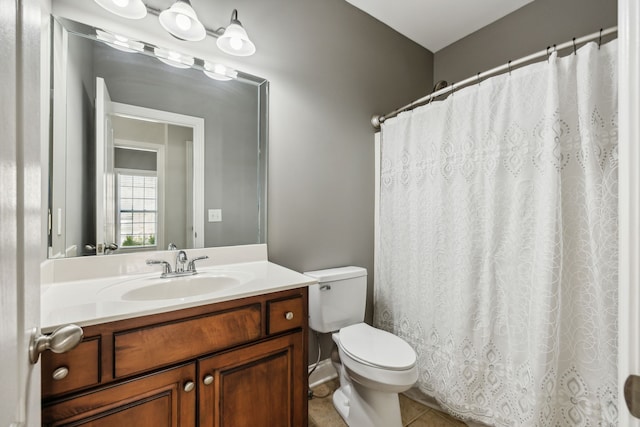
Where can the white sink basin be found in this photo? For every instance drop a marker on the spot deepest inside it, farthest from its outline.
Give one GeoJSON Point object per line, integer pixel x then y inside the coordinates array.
{"type": "Point", "coordinates": [182, 287]}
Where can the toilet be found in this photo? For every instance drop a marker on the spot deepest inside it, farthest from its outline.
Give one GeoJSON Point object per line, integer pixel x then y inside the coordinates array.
{"type": "Point", "coordinates": [373, 365]}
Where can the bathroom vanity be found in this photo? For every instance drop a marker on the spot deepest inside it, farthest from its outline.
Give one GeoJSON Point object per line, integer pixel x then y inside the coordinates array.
{"type": "Point", "coordinates": [236, 357]}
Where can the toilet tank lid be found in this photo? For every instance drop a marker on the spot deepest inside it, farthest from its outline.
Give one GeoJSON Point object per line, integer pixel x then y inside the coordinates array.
{"type": "Point", "coordinates": [340, 273]}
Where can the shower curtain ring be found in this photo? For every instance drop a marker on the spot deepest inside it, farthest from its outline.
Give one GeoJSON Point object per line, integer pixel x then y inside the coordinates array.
{"type": "Point", "coordinates": [509, 67]}
{"type": "Point", "coordinates": [548, 54]}
{"type": "Point", "coordinates": [600, 39]}
{"type": "Point", "coordinates": [478, 78]}
{"type": "Point", "coordinates": [574, 46]}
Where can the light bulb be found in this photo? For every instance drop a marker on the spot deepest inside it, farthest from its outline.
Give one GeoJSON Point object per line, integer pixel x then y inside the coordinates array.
{"type": "Point", "coordinates": [121, 3]}
{"type": "Point", "coordinates": [183, 22]}
{"type": "Point", "coordinates": [235, 43]}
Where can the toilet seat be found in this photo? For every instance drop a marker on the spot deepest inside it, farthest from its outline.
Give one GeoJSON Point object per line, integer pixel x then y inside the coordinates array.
{"type": "Point", "coordinates": [377, 348]}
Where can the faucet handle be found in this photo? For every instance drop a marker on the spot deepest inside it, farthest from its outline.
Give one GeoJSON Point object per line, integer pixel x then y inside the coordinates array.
{"type": "Point", "coordinates": [166, 267]}
{"type": "Point", "coordinates": [192, 265]}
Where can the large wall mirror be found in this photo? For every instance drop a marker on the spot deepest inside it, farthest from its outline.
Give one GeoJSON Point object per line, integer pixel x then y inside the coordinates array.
{"type": "Point", "coordinates": [149, 152]}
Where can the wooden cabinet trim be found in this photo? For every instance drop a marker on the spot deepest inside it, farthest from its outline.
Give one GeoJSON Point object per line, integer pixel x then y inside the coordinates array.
{"type": "Point", "coordinates": [151, 347]}
{"type": "Point", "coordinates": [83, 364]}
{"type": "Point", "coordinates": [277, 311]}
{"type": "Point", "coordinates": [121, 396]}
{"type": "Point", "coordinates": [228, 363]}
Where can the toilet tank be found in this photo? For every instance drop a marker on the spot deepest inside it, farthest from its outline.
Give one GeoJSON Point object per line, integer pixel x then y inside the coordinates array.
{"type": "Point", "coordinates": [338, 299]}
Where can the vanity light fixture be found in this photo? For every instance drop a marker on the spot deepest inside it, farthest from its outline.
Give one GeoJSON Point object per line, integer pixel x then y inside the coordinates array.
{"type": "Point", "coordinates": [119, 42]}
{"type": "Point", "coordinates": [131, 9]}
{"type": "Point", "coordinates": [175, 59]}
{"type": "Point", "coordinates": [234, 40]}
{"type": "Point", "coordinates": [181, 21]}
{"type": "Point", "coordinates": [219, 71]}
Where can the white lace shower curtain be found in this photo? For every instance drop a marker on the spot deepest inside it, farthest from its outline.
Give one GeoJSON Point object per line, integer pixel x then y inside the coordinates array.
{"type": "Point", "coordinates": [498, 243]}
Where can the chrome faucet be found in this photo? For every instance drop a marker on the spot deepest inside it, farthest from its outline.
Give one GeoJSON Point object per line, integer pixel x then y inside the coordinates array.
{"type": "Point", "coordinates": [181, 258]}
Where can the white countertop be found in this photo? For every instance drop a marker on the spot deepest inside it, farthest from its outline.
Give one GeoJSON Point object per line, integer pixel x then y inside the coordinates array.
{"type": "Point", "coordinates": [89, 302]}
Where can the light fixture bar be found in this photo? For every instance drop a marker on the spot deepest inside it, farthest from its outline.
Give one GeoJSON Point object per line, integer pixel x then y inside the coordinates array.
{"type": "Point", "coordinates": [213, 33]}
{"type": "Point", "coordinates": [130, 9]}
{"type": "Point", "coordinates": [181, 21]}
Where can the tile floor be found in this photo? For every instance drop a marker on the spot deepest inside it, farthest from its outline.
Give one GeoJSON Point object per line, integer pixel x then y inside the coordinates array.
{"type": "Point", "coordinates": [414, 414]}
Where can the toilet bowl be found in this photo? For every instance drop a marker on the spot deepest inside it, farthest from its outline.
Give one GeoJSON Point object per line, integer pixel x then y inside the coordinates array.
{"type": "Point", "coordinates": [376, 358]}
{"type": "Point", "coordinates": [373, 365]}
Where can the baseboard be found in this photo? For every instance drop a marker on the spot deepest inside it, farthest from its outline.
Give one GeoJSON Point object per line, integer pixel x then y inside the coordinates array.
{"type": "Point", "coordinates": [323, 373]}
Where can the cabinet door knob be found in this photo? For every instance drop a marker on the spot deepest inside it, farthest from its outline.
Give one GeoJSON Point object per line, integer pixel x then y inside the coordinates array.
{"type": "Point", "coordinates": [288, 315]}
{"type": "Point", "coordinates": [189, 386]}
{"type": "Point", "coordinates": [208, 380]}
{"type": "Point", "coordinates": [60, 373]}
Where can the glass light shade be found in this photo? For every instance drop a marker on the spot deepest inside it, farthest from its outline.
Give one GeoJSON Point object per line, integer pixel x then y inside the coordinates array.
{"type": "Point", "coordinates": [219, 71]}
{"type": "Point", "coordinates": [174, 59]}
{"type": "Point", "coordinates": [235, 41]}
{"type": "Point", "coordinates": [131, 9]}
{"type": "Point", "coordinates": [119, 42]}
{"type": "Point", "coordinates": [181, 21]}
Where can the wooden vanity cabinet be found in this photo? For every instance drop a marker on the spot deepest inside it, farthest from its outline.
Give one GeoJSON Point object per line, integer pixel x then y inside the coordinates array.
{"type": "Point", "coordinates": [231, 364]}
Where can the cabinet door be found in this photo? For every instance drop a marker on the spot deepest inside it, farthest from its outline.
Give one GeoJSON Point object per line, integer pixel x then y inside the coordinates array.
{"type": "Point", "coordinates": [263, 385]}
{"type": "Point", "coordinates": [157, 400]}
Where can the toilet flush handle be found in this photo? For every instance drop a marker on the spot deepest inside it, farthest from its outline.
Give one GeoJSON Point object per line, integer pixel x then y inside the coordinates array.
{"type": "Point", "coordinates": [325, 287]}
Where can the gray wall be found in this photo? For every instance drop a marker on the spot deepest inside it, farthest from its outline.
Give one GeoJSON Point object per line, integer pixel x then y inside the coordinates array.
{"type": "Point", "coordinates": [79, 147]}
{"type": "Point", "coordinates": [330, 67]}
{"type": "Point", "coordinates": [126, 158]}
{"type": "Point", "coordinates": [176, 209]}
{"type": "Point", "coordinates": [530, 29]}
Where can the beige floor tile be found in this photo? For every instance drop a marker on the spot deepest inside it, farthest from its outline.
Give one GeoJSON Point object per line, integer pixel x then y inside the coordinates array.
{"type": "Point", "coordinates": [449, 418]}
{"type": "Point", "coordinates": [434, 419]}
{"type": "Point", "coordinates": [410, 409]}
{"type": "Point", "coordinates": [414, 414]}
{"type": "Point", "coordinates": [321, 410]}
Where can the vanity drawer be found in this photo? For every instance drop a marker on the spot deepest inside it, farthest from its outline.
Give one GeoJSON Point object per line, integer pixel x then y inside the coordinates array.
{"type": "Point", "coordinates": [74, 369]}
{"type": "Point", "coordinates": [285, 314]}
{"type": "Point", "coordinates": [142, 349]}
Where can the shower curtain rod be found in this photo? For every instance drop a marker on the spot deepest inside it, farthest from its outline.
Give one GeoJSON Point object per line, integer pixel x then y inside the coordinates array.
{"type": "Point", "coordinates": [377, 120]}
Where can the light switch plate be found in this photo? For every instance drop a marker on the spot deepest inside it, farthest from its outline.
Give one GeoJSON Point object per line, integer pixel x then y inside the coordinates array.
{"type": "Point", "coordinates": [215, 215]}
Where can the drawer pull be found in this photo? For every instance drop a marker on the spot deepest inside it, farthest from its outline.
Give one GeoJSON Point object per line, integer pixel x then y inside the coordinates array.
{"type": "Point", "coordinates": [288, 315]}
{"type": "Point", "coordinates": [208, 380]}
{"type": "Point", "coordinates": [60, 373]}
{"type": "Point", "coordinates": [189, 386]}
